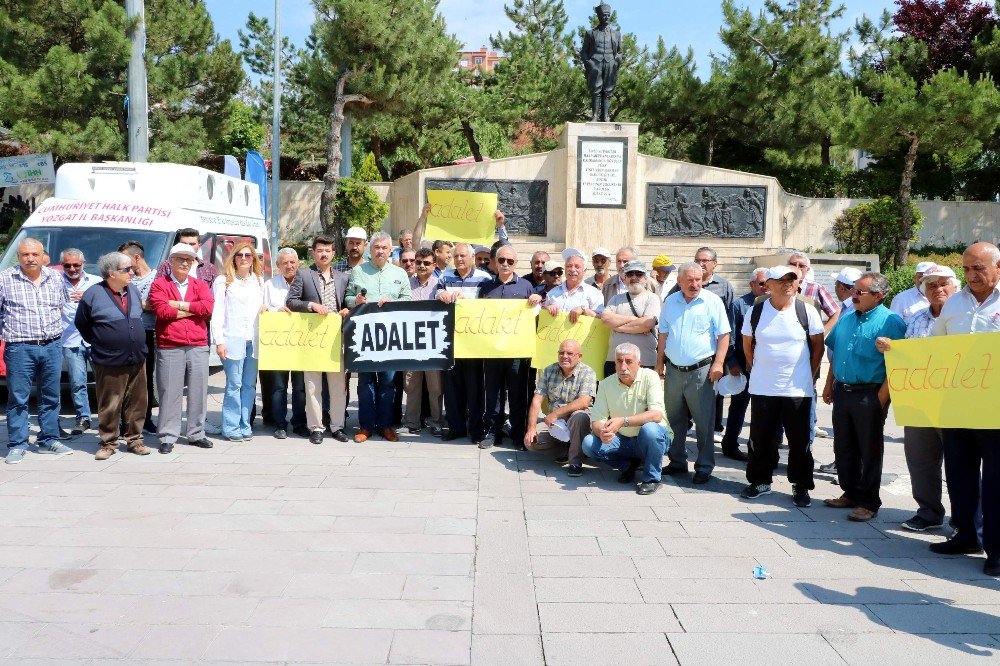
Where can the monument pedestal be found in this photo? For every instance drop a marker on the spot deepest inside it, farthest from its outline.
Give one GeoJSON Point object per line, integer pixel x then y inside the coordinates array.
{"type": "Point", "coordinates": [601, 195]}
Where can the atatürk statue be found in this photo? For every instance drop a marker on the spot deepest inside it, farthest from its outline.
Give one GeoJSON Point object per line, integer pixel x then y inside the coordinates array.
{"type": "Point", "coordinates": [602, 55]}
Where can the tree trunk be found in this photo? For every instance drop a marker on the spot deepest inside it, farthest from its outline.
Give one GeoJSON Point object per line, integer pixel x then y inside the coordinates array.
{"type": "Point", "coordinates": [377, 152]}
{"type": "Point", "coordinates": [710, 149]}
{"type": "Point", "coordinates": [331, 179]}
{"type": "Point", "coordinates": [905, 212]}
{"type": "Point", "coordinates": [824, 151]}
{"type": "Point", "coordinates": [470, 137]}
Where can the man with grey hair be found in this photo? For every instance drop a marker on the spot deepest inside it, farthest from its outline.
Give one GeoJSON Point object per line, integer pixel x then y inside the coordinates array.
{"type": "Point", "coordinates": [628, 425]}
{"type": "Point", "coordinates": [813, 290]}
{"type": "Point", "coordinates": [857, 387]}
{"type": "Point", "coordinates": [275, 298]}
{"type": "Point", "coordinates": [76, 352]}
{"type": "Point", "coordinates": [405, 243]}
{"type": "Point", "coordinates": [632, 317]}
{"type": "Point", "coordinates": [377, 281]}
{"type": "Point", "coordinates": [972, 457]}
{"type": "Point", "coordinates": [691, 353]}
{"type": "Point", "coordinates": [109, 319]}
{"type": "Point", "coordinates": [619, 285]}
{"type": "Point", "coordinates": [142, 280]}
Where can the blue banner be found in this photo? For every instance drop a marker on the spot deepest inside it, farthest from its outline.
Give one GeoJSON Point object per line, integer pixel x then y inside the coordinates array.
{"type": "Point", "coordinates": [230, 166]}
{"type": "Point", "coordinates": [257, 173]}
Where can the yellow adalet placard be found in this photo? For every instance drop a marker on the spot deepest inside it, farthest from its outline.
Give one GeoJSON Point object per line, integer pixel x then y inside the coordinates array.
{"type": "Point", "coordinates": [949, 381]}
{"type": "Point", "coordinates": [299, 341]}
{"type": "Point", "coordinates": [494, 328]}
{"type": "Point", "coordinates": [462, 217]}
{"type": "Point", "coordinates": [592, 335]}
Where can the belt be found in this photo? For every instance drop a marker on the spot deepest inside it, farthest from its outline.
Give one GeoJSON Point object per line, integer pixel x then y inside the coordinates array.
{"type": "Point", "coordinates": [853, 388]}
{"type": "Point", "coordinates": [688, 368]}
{"type": "Point", "coordinates": [37, 343]}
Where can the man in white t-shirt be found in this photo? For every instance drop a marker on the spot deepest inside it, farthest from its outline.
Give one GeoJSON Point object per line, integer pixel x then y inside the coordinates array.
{"type": "Point", "coordinates": [783, 344]}
{"type": "Point", "coordinates": [910, 302]}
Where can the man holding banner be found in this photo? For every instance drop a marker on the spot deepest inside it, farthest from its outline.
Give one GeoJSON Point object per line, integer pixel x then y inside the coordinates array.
{"type": "Point", "coordinates": [574, 296]}
{"type": "Point", "coordinates": [321, 289]}
{"type": "Point", "coordinates": [972, 456]}
{"type": "Point", "coordinates": [508, 375]}
{"type": "Point", "coordinates": [422, 287]}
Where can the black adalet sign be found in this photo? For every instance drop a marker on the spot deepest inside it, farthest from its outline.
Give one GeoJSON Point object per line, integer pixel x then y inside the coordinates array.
{"type": "Point", "coordinates": [403, 335]}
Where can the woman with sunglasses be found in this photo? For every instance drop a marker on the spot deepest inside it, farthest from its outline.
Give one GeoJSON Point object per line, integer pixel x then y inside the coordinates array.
{"type": "Point", "coordinates": [239, 298]}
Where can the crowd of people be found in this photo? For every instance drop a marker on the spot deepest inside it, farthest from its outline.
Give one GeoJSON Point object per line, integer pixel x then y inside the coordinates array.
{"type": "Point", "coordinates": [680, 340]}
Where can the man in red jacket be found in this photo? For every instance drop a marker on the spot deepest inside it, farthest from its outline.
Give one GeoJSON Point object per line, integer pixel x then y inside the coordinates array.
{"type": "Point", "coordinates": [182, 304]}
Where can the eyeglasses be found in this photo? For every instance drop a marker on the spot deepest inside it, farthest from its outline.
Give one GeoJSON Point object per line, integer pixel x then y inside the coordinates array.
{"type": "Point", "coordinates": [244, 255]}
{"type": "Point", "coordinates": [858, 292]}
{"type": "Point", "coordinates": [505, 261]}
{"type": "Point", "coordinates": [633, 274]}
{"type": "Point", "coordinates": [127, 269]}
{"type": "Point", "coordinates": [762, 284]}
{"type": "Point", "coordinates": [424, 263]}
{"type": "Point", "coordinates": [183, 260]}
{"type": "Point", "coordinates": [72, 265]}
{"type": "Point", "coordinates": [555, 273]}
{"type": "Point", "coordinates": [798, 265]}
{"type": "Point", "coordinates": [566, 353]}
{"type": "Point", "coordinates": [407, 261]}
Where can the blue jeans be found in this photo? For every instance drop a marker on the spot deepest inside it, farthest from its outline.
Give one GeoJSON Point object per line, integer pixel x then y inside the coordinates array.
{"type": "Point", "coordinates": [376, 391]}
{"type": "Point", "coordinates": [648, 447]}
{"type": "Point", "coordinates": [76, 367]}
{"type": "Point", "coordinates": [27, 364]}
{"type": "Point", "coordinates": [241, 390]}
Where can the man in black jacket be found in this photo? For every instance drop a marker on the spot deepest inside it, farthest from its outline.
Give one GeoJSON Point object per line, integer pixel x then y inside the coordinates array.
{"type": "Point", "coordinates": [109, 319]}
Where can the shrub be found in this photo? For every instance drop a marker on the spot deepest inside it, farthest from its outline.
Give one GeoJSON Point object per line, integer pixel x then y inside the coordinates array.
{"type": "Point", "coordinates": [873, 228]}
{"type": "Point", "coordinates": [358, 205]}
{"type": "Point", "coordinates": [900, 279]}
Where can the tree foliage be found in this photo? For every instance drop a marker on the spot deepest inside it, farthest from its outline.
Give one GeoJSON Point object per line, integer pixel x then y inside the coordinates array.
{"type": "Point", "coordinates": [872, 228]}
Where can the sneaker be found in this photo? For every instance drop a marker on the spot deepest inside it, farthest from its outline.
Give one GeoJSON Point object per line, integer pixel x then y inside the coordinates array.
{"type": "Point", "coordinates": [574, 470]}
{"type": "Point", "coordinates": [436, 431]}
{"type": "Point", "coordinates": [64, 435]}
{"type": "Point", "coordinates": [105, 452]}
{"type": "Point", "coordinates": [918, 524]}
{"type": "Point", "coordinates": [55, 449]}
{"type": "Point", "coordinates": [82, 426]}
{"type": "Point", "coordinates": [820, 432]}
{"type": "Point", "coordinates": [800, 497]}
{"type": "Point", "coordinates": [829, 468]}
{"type": "Point", "coordinates": [14, 456]}
{"type": "Point", "coordinates": [411, 430]}
{"type": "Point", "coordinates": [954, 546]}
{"type": "Point", "coordinates": [485, 443]}
{"type": "Point", "coordinates": [754, 491]}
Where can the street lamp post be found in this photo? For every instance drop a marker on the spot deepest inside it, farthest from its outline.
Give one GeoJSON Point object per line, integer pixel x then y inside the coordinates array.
{"type": "Point", "coordinates": [138, 111]}
{"type": "Point", "coordinates": [276, 131]}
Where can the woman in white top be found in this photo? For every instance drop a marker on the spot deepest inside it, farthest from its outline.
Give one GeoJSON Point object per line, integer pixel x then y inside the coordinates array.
{"type": "Point", "coordinates": [239, 298]}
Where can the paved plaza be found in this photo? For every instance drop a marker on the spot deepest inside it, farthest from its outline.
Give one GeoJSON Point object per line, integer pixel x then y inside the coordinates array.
{"type": "Point", "coordinates": [425, 552]}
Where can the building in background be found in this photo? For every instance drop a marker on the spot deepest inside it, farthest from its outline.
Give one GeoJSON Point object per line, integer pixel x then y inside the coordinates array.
{"type": "Point", "coordinates": [483, 59]}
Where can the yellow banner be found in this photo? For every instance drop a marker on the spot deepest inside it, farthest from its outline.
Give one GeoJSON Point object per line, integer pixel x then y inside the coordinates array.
{"type": "Point", "coordinates": [946, 381]}
{"type": "Point", "coordinates": [592, 335]}
{"type": "Point", "coordinates": [462, 217]}
{"type": "Point", "coordinates": [494, 328]}
{"type": "Point", "coordinates": [298, 341]}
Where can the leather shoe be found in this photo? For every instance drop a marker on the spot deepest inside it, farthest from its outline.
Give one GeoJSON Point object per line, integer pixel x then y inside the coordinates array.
{"type": "Point", "coordinates": [647, 487]}
{"type": "Point", "coordinates": [340, 435]}
{"type": "Point", "coordinates": [701, 477]}
{"type": "Point", "coordinates": [736, 454]}
{"type": "Point", "coordinates": [390, 435]}
{"type": "Point", "coordinates": [105, 452]}
{"type": "Point", "coordinates": [486, 444]}
{"type": "Point", "coordinates": [450, 436]}
{"type": "Point", "coordinates": [861, 514]}
{"type": "Point", "coordinates": [670, 470]}
{"type": "Point", "coordinates": [138, 449]}
{"type": "Point", "coordinates": [955, 546]}
{"type": "Point", "coordinates": [992, 566]}
{"type": "Point", "coordinates": [301, 431]}
{"type": "Point", "coordinates": [628, 474]}
{"type": "Point", "coordinates": [203, 443]}
{"type": "Point", "coordinates": [279, 433]}
{"type": "Point", "coordinates": [166, 448]}
{"type": "Point", "coordinates": [361, 436]}
{"type": "Point", "coordinates": [316, 436]}
{"type": "Point", "coordinates": [842, 502]}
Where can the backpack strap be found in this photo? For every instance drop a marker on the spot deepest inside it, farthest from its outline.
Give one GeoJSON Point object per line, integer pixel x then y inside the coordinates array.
{"type": "Point", "coordinates": [755, 313]}
{"type": "Point", "coordinates": [800, 312]}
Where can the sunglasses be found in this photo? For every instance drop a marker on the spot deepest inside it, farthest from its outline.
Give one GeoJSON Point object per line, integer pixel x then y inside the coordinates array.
{"type": "Point", "coordinates": [244, 255]}
{"type": "Point", "coordinates": [632, 274]}
{"type": "Point", "coordinates": [424, 263]}
{"type": "Point", "coordinates": [407, 261]}
{"type": "Point", "coordinates": [505, 261]}
{"type": "Point", "coordinates": [72, 265]}
{"type": "Point", "coordinates": [555, 273]}
{"type": "Point", "coordinates": [762, 284]}
{"type": "Point", "coordinates": [858, 292]}
{"type": "Point", "coordinates": [127, 269]}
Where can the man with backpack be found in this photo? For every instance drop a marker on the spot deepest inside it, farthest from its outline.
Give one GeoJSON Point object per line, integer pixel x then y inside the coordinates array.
{"type": "Point", "coordinates": [783, 345]}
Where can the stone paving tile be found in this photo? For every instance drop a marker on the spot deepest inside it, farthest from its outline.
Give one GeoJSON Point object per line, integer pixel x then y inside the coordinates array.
{"type": "Point", "coordinates": [505, 604]}
{"type": "Point", "coordinates": [400, 614]}
{"type": "Point", "coordinates": [576, 528]}
{"type": "Point", "coordinates": [60, 580]}
{"type": "Point", "coordinates": [586, 589]}
{"type": "Point", "coordinates": [776, 618]}
{"type": "Point", "coordinates": [564, 545]}
{"type": "Point", "coordinates": [721, 591]}
{"type": "Point", "coordinates": [752, 649]}
{"type": "Point", "coordinates": [986, 591]}
{"type": "Point", "coordinates": [171, 642]}
{"type": "Point", "coordinates": [441, 588]}
{"type": "Point", "coordinates": [431, 564]}
{"type": "Point", "coordinates": [283, 644]}
{"type": "Point", "coordinates": [609, 649]}
{"type": "Point", "coordinates": [632, 546]}
{"type": "Point", "coordinates": [606, 618]}
{"type": "Point", "coordinates": [290, 612]}
{"type": "Point", "coordinates": [915, 650]}
{"type": "Point", "coordinates": [598, 566]}
{"type": "Point", "coordinates": [500, 650]}
{"type": "Point", "coordinates": [691, 567]}
{"type": "Point", "coordinates": [431, 647]}
{"type": "Point", "coordinates": [937, 618]}
{"type": "Point", "coordinates": [345, 586]}
{"type": "Point", "coordinates": [160, 583]}
{"type": "Point", "coordinates": [79, 641]}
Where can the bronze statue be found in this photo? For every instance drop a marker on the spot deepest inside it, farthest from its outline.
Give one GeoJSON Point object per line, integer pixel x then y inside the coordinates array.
{"type": "Point", "coordinates": [602, 55]}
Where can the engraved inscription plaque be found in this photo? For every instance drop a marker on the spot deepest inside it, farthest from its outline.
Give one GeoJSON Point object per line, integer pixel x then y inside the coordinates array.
{"type": "Point", "coordinates": [719, 211]}
{"type": "Point", "coordinates": [601, 172]}
{"type": "Point", "coordinates": [524, 202]}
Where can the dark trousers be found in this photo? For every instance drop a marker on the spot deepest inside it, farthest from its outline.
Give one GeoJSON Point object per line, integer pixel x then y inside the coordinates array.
{"type": "Point", "coordinates": [859, 420]}
{"type": "Point", "coordinates": [734, 421]}
{"type": "Point", "coordinates": [767, 415]}
{"type": "Point", "coordinates": [510, 376]}
{"type": "Point", "coordinates": [266, 397]}
{"type": "Point", "coordinates": [719, 405]}
{"type": "Point", "coordinates": [972, 469]}
{"type": "Point", "coordinates": [121, 398]}
{"type": "Point", "coordinates": [279, 380]}
{"type": "Point", "coordinates": [924, 450]}
{"type": "Point", "coordinates": [376, 391]}
{"type": "Point", "coordinates": [397, 402]}
{"type": "Point", "coordinates": [150, 366]}
{"type": "Point", "coordinates": [464, 399]}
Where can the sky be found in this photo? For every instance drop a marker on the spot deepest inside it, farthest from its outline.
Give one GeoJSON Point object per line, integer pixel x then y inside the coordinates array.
{"type": "Point", "coordinates": [684, 23]}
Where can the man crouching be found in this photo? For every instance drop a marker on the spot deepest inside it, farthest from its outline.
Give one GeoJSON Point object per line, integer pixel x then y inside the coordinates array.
{"type": "Point", "coordinates": [627, 421]}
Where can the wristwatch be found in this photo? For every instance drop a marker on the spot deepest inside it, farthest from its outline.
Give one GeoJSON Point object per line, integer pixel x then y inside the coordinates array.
{"type": "Point", "coordinates": [625, 422]}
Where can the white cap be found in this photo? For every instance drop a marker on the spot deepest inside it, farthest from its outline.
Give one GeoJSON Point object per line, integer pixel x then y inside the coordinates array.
{"type": "Point", "coordinates": [572, 252]}
{"type": "Point", "coordinates": [732, 384]}
{"type": "Point", "coordinates": [552, 265]}
{"type": "Point", "coordinates": [939, 271]}
{"type": "Point", "coordinates": [183, 249]}
{"type": "Point", "coordinates": [778, 272]}
{"type": "Point", "coordinates": [357, 232]}
{"type": "Point", "coordinates": [925, 266]}
{"type": "Point", "coordinates": [601, 252]}
{"type": "Point", "coordinates": [848, 275]}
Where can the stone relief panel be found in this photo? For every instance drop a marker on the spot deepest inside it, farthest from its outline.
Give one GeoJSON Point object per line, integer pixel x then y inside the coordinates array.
{"type": "Point", "coordinates": [524, 202]}
{"type": "Point", "coordinates": [718, 211]}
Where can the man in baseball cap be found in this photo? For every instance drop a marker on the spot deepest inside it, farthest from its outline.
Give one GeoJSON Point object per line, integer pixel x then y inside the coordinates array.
{"type": "Point", "coordinates": [552, 277]}
{"type": "Point", "coordinates": [601, 260]}
{"type": "Point", "coordinates": [843, 283]}
{"type": "Point", "coordinates": [665, 273]}
{"type": "Point", "coordinates": [910, 302]}
{"type": "Point", "coordinates": [356, 241]}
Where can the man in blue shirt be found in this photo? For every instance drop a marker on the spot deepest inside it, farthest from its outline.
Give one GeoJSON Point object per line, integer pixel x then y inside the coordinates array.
{"type": "Point", "coordinates": [856, 385]}
{"type": "Point", "coordinates": [691, 352]}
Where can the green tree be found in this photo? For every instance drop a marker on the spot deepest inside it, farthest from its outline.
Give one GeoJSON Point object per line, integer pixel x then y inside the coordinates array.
{"type": "Point", "coordinates": [373, 55]}
{"type": "Point", "coordinates": [243, 131]}
{"type": "Point", "coordinates": [63, 78]}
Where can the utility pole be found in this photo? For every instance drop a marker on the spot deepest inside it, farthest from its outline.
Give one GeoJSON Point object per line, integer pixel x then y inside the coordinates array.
{"type": "Point", "coordinates": [138, 104]}
{"type": "Point", "coordinates": [276, 131]}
